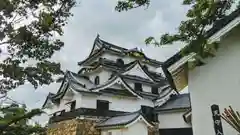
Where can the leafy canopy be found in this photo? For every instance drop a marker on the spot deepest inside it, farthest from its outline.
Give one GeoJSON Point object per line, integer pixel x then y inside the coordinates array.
{"type": "Point", "coordinates": [14, 121]}
{"type": "Point", "coordinates": [28, 31]}
{"type": "Point", "coordinates": [202, 15]}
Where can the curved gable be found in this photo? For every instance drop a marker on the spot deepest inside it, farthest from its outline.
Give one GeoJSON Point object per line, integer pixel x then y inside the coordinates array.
{"type": "Point", "coordinates": [116, 80]}
{"type": "Point", "coordinates": [137, 70]}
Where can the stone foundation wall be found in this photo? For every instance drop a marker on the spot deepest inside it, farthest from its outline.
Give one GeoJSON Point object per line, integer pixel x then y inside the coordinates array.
{"type": "Point", "coordinates": [73, 127]}
{"type": "Point", "coordinates": [86, 127]}
{"type": "Point", "coordinates": [68, 127]}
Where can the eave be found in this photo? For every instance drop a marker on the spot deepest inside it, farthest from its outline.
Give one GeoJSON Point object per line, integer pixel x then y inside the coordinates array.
{"type": "Point", "coordinates": [77, 87]}
{"type": "Point", "coordinates": [175, 103]}
{"type": "Point", "coordinates": [159, 101]}
{"type": "Point", "coordinates": [70, 82]}
{"type": "Point", "coordinates": [94, 55]}
{"type": "Point", "coordinates": [219, 29]}
{"type": "Point", "coordinates": [223, 26]}
{"type": "Point", "coordinates": [49, 97]}
{"type": "Point", "coordinates": [108, 47]}
{"type": "Point", "coordinates": [113, 81]}
{"type": "Point", "coordinates": [84, 112]}
{"type": "Point", "coordinates": [129, 119]}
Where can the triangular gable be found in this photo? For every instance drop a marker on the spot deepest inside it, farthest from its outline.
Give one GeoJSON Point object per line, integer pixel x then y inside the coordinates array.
{"type": "Point", "coordinates": [164, 98]}
{"type": "Point", "coordinates": [137, 70]}
{"type": "Point", "coordinates": [101, 65]}
{"type": "Point", "coordinates": [64, 82]}
{"type": "Point", "coordinates": [101, 46]}
{"type": "Point", "coordinates": [96, 45]}
{"type": "Point", "coordinates": [72, 81]}
{"type": "Point", "coordinates": [48, 102]}
{"type": "Point", "coordinates": [124, 121]}
{"type": "Point", "coordinates": [68, 94]}
{"type": "Point", "coordinates": [116, 80]}
{"type": "Point", "coordinates": [140, 118]}
{"type": "Point", "coordinates": [118, 90]}
{"type": "Point", "coordinates": [84, 82]}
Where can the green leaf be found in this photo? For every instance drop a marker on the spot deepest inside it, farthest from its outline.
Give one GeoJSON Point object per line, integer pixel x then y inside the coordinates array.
{"type": "Point", "coordinates": [149, 40]}
{"type": "Point", "coordinates": [32, 41]}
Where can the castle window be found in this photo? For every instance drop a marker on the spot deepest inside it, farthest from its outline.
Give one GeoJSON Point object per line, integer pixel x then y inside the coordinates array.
{"type": "Point", "coordinates": [97, 80]}
{"type": "Point", "coordinates": [102, 105]}
{"type": "Point", "coordinates": [155, 90]}
{"type": "Point", "coordinates": [120, 62]}
{"type": "Point", "coordinates": [73, 105]}
{"type": "Point", "coordinates": [112, 75]}
{"type": "Point", "coordinates": [62, 112]}
{"type": "Point", "coordinates": [138, 86]}
{"type": "Point", "coordinates": [145, 67]}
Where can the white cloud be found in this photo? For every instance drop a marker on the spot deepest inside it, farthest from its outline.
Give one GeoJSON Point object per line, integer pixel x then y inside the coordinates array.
{"type": "Point", "coordinates": [128, 29]}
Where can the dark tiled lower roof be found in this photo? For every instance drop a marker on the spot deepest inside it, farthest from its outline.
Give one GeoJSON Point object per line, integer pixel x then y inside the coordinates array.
{"type": "Point", "coordinates": [124, 50]}
{"type": "Point", "coordinates": [84, 111]}
{"type": "Point", "coordinates": [139, 79]}
{"type": "Point", "coordinates": [148, 95]}
{"type": "Point", "coordinates": [120, 92]}
{"type": "Point", "coordinates": [124, 119]}
{"type": "Point", "coordinates": [181, 101]}
{"type": "Point", "coordinates": [119, 120]}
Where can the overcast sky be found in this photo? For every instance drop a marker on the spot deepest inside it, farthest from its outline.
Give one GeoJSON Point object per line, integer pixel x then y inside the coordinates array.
{"type": "Point", "coordinates": [127, 29]}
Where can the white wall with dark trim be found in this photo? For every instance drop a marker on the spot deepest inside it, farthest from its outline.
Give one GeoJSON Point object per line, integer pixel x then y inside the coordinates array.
{"type": "Point", "coordinates": [217, 82]}
{"type": "Point", "coordinates": [138, 128]}
{"type": "Point", "coordinates": [172, 119]}
{"type": "Point", "coordinates": [117, 103]}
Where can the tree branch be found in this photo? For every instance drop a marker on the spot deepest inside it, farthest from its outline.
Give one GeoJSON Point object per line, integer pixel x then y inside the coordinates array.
{"type": "Point", "coordinates": [26, 116]}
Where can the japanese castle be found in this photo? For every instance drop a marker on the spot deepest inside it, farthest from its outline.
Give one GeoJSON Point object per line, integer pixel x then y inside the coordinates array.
{"type": "Point", "coordinates": [118, 91]}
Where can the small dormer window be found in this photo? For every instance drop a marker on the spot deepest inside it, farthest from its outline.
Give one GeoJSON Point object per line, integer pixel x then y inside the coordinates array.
{"type": "Point", "coordinates": [138, 86]}
{"type": "Point", "coordinates": [73, 105]}
{"type": "Point", "coordinates": [102, 105]}
{"type": "Point", "coordinates": [145, 67]}
{"type": "Point", "coordinates": [112, 75]}
{"type": "Point", "coordinates": [155, 90]}
{"type": "Point", "coordinates": [62, 112]}
{"type": "Point", "coordinates": [96, 80]}
{"type": "Point", "coordinates": [120, 62]}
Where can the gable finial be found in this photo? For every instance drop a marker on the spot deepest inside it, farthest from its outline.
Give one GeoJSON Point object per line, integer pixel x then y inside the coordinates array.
{"type": "Point", "coordinates": [98, 35]}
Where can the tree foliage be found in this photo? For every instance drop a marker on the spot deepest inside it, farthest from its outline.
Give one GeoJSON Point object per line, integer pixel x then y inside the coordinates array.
{"type": "Point", "coordinates": [14, 121]}
{"type": "Point", "coordinates": [125, 5]}
{"type": "Point", "coordinates": [28, 31]}
{"type": "Point", "coordinates": [202, 15]}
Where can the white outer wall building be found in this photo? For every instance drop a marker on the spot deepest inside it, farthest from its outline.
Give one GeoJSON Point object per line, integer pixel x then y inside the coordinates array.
{"type": "Point", "coordinates": [217, 82]}
{"type": "Point", "coordinates": [116, 103]}
{"type": "Point", "coordinates": [138, 128]}
{"type": "Point", "coordinates": [172, 119]}
{"type": "Point", "coordinates": [126, 59]}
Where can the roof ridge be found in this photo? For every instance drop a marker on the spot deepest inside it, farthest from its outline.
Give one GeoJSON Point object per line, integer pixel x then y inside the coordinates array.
{"type": "Point", "coordinates": [222, 22]}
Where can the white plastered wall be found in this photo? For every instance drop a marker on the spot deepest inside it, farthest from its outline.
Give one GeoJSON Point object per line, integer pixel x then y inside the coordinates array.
{"type": "Point", "coordinates": [217, 82]}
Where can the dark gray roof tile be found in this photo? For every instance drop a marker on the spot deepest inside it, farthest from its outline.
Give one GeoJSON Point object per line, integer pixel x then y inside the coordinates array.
{"type": "Point", "coordinates": [119, 120]}
{"type": "Point", "coordinates": [181, 101]}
